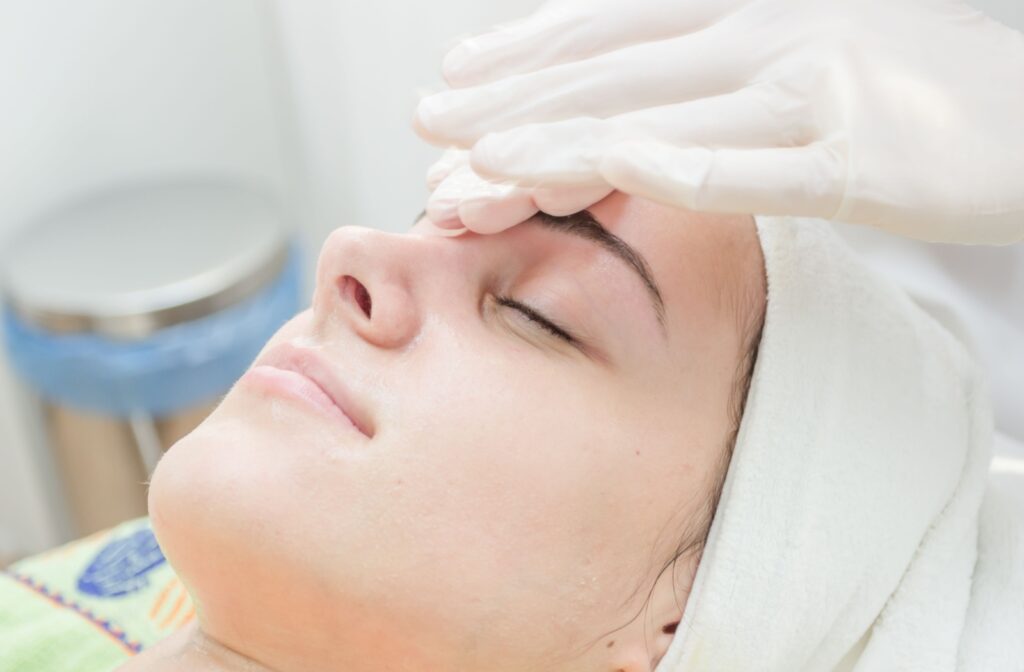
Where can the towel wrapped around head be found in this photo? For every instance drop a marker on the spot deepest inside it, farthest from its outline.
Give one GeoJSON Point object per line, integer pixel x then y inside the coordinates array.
{"type": "Point", "coordinates": [848, 532]}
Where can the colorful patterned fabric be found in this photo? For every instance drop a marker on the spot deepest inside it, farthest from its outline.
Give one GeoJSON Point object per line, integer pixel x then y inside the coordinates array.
{"type": "Point", "coordinates": [91, 604]}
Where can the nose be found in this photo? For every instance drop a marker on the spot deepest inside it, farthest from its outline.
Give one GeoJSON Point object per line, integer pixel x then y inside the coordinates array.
{"type": "Point", "coordinates": [367, 282]}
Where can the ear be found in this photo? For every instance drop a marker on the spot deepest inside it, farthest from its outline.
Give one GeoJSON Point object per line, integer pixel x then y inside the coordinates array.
{"type": "Point", "coordinates": [637, 653]}
{"type": "Point", "coordinates": [640, 646]}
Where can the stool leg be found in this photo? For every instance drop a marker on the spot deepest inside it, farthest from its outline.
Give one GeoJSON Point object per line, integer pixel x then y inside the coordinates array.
{"type": "Point", "coordinates": [172, 428]}
{"type": "Point", "coordinates": [100, 468]}
{"type": "Point", "coordinates": [147, 439]}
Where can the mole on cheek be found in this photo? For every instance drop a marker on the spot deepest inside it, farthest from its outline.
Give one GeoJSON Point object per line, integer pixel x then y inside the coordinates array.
{"type": "Point", "coordinates": [611, 644]}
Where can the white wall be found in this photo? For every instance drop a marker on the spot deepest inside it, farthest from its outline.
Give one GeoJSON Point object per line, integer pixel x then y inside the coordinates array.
{"type": "Point", "coordinates": [1010, 12]}
{"type": "Point", "coordinates": [358, 70]}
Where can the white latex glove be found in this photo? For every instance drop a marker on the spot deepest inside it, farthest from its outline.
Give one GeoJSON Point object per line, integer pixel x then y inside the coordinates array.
{"type": "Point", "coordinates": [907, 115]}
{"type": "Point", "coordinates": [461, 199]}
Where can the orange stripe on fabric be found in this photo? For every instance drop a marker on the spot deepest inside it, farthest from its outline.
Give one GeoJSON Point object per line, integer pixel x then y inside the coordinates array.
{"type": "Point", "coordinates": [161, 597]}
{"type": "Point", "coordinates": [189, 615]}
{"type": "Point", "coordinates": [174, 609]}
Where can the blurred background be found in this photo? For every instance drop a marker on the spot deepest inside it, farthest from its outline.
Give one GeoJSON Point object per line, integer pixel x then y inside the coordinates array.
{"type": "Point", "coordinates": [286, 118]}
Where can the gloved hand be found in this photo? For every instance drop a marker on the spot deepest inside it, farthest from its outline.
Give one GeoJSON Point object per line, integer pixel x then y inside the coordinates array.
{"type": "Point", "coordinates": [462, 199]}
{"type": "Point", "coordinates": [907, 115]}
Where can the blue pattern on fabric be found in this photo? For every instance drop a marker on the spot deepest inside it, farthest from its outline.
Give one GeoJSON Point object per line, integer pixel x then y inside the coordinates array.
{"type": "Point", "coordinates": [120, 568]}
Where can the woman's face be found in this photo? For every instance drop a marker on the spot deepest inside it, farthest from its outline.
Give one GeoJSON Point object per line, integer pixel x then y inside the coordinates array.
{"type": "Point", "coordinates": [518, 494]}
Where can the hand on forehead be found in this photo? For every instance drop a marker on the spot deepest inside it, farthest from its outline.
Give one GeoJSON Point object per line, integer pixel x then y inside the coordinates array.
{"type": "Point", "coordinates": [690, 253]}
{"type": "Point", "coordinates": [709, 275]}
{"type": "Point", "coordinates": [462, 200]}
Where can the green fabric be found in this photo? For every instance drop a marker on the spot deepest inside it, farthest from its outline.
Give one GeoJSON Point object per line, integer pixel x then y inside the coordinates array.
{"type": "Point", "coordinates": [91, 604]}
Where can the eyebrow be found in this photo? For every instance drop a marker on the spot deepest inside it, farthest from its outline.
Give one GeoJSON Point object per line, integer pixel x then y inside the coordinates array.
{"type": "Point", "coordinates": [583, 225]}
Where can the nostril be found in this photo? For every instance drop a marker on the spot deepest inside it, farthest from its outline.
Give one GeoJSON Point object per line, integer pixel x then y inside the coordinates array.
{"type": "Point", "coordinates": [361, 295]}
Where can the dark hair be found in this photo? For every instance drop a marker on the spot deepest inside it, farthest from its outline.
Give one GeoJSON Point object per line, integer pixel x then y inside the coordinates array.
{"type": "Point", "coordinates": [751, 340]}
{"type": "Point", "coordinates": [750, 315]}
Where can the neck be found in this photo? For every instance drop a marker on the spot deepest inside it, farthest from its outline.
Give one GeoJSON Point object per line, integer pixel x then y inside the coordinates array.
{"type": "Point", "coordinates": [191, 649]}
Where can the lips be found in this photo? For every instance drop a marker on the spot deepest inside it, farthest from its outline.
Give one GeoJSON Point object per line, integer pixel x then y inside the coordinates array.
{"type": "Point", "coordinates": [309, 364]}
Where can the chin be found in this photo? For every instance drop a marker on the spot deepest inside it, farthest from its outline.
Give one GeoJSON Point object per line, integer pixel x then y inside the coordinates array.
{"type": "Point", "coordinates": [229, 512]}
{"type": "Point", "coordinates": [238, 491]}
{"type": "Point", "coordinates": [210, 487]}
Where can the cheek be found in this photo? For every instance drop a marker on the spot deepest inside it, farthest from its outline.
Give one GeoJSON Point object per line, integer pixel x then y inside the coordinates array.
{"type": "Point", "coordinates": [512, 475]}
{"type": "Point", "coordinates": [246, 454]}
{"type": "Point", "coordinates": [201, 473]}
{"type": "Point", "coordinates": [245, 482]}
{"type": "Point", "coordinates": [498, 477]}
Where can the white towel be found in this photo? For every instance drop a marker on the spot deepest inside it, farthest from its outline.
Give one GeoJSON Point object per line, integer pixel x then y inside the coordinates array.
{"type": "Point", "coordinates": [851, 533]}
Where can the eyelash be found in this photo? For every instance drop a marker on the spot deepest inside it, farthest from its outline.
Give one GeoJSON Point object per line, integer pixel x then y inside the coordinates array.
{"type": "Point", "coordinates": [536, 317]}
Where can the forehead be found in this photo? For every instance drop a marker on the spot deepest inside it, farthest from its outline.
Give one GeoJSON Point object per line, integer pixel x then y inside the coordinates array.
{"type": "Point", "coordinates": [703, 262]}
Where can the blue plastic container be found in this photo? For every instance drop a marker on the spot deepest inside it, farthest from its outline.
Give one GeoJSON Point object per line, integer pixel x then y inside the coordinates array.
{"type": "Point", "coordinates": [148, 300]}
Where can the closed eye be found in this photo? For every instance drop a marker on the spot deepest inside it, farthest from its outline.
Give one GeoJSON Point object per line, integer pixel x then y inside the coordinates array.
{"type": "Point", "coordinates": [534, 316]}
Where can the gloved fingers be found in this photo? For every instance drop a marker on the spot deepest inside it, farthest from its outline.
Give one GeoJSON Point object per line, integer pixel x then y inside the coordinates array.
{"type": "Point", "coordinates": [510, 48]}
{"type": "Point", "coordinates": [562, 32]}
{"type": "Point", "coordinates": [689, 67]}
{"type": "Point", "coordinates": [495, 214]}
{"type": "Point", "coordinates": [567, 152]}
{"type": "Point", "coordinates": [428, 227]}
{"type": "Point", "coordinates": [802, 181]}
{"type": "Point", "coordinates": [757, 116]}
{"type": "Point", "coordinates": [490, 213]}
{"type": "Point", "coordinates": [443, 203]}
{"type": "Point", "coordinates": [443, 167]}
{"type": "Point", "coordinates": [449, 223]}
{"type": "Point", "coordinates": [561, 201]}
{"type": "Point", "coordinates": [561, 152]}
{"type": "Point", "coordinates": [464, 199]}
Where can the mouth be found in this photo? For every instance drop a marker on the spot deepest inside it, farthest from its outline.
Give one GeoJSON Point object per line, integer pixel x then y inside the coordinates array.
{"type": "Point", "coordinates": [301, 374]}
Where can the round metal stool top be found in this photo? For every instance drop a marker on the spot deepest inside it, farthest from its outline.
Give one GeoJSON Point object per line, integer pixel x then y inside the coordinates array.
{"type": "Point", "coordinates": [129, 262]}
